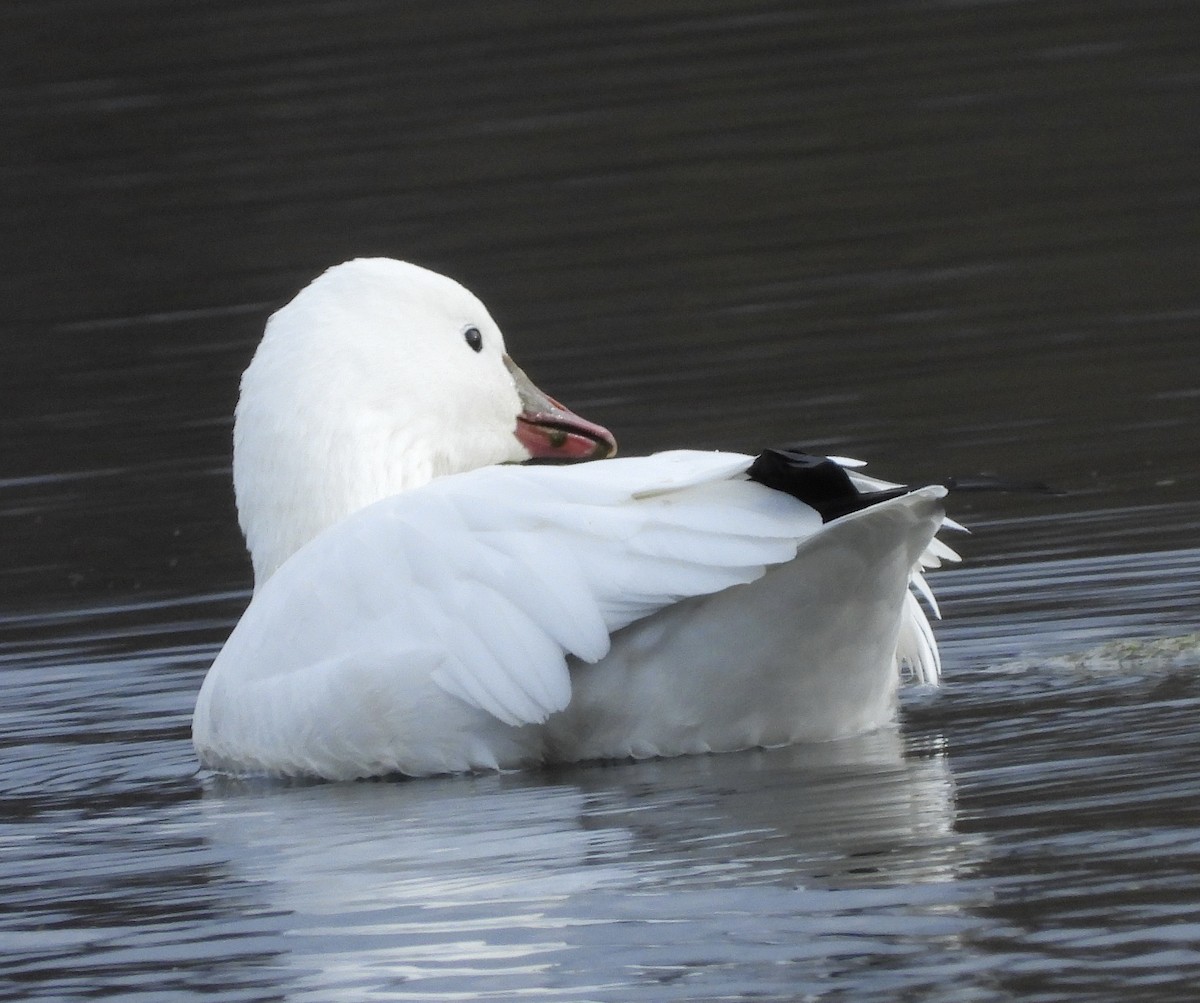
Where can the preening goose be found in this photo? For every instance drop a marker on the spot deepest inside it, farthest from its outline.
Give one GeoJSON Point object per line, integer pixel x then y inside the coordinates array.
{"type": "Point", "coordinates": [425, 603]}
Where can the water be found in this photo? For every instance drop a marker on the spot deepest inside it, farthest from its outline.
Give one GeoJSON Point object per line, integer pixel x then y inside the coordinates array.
{"type": "Point", "coordinates": [945, 237]}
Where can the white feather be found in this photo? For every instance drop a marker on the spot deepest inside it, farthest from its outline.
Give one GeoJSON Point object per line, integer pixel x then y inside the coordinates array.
{"type": "Point", "coordinates": [424, 606]}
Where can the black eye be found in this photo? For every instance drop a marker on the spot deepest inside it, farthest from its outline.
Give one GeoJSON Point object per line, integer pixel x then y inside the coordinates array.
{"type": "Point", "coordinates": [474, 338]}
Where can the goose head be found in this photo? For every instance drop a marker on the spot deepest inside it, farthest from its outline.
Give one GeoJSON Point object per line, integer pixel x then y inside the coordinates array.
{"type": "Point", "coordinates": [378, 377]}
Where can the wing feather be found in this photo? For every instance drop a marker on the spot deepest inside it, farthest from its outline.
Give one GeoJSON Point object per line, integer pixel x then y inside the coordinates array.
{"type": "Point", "coordinates": [509, 570]}
{"type": "Point", "coordinates": [487, 582]}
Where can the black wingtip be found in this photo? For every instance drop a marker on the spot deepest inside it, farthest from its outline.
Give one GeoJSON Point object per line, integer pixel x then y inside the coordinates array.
{"type": "Point", "coordinates": [819, 482]}
{"type": "Point", "coordinates": [824, 484]}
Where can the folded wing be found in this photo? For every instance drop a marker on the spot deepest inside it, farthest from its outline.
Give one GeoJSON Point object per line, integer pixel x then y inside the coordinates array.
{"type": "Point", "coordinates": [478, 587]}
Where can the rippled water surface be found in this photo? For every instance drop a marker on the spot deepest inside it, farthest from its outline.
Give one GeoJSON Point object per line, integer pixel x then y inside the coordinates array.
{"type": "Point", "coordinates": [945, 237]}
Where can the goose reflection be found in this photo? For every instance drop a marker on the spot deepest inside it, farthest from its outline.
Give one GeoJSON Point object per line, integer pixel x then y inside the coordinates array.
{"type": "Point", "coordinates": [760, 868]}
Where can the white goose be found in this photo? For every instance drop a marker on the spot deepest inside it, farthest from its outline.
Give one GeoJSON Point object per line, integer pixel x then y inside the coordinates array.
{"type": "Point", "coordinates": [423, 604]}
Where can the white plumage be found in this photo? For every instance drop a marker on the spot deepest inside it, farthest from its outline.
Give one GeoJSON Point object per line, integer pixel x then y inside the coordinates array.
{"type": "Point", "coordinates": [423, 605]}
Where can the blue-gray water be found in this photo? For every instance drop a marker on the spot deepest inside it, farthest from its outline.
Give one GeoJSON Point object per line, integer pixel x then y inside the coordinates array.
{"type": "Point", "coordinates": [948, 238]}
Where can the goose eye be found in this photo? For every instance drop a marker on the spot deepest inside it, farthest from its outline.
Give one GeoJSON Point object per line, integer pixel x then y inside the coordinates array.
{"type": "Point", "coordinates": [474, 338]}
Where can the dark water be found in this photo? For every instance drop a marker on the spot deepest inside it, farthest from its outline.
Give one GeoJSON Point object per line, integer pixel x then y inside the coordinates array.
{"type": "Point", "coordinates": [945, 237]}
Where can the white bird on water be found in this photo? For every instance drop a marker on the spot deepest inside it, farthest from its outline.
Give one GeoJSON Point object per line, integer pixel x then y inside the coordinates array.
{"type": "Point", "coordinates": [424, 603]}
